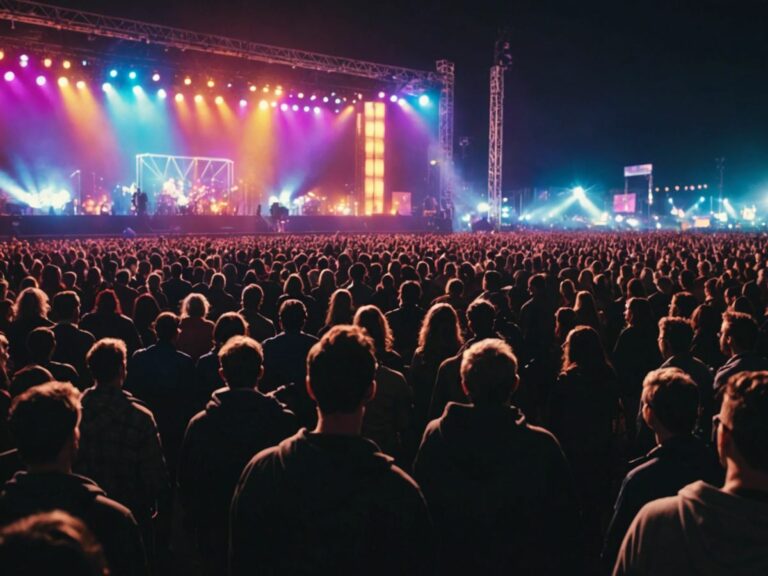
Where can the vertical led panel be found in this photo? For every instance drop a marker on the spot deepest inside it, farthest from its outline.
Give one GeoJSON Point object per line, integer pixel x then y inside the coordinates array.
{"type": "Point", "coordinates": [373, 169]}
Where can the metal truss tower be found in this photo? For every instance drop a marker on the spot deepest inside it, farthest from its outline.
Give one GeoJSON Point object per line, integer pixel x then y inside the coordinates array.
{"type": "Point", "coordinates": [448, 73]}
{"type": "Point", "coordinates": [496, 145]}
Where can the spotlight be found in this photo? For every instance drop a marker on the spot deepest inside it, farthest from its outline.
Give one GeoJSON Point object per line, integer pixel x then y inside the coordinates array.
{"type": "Point", "coordinates": [47, 62]}
{"type": "Point", "coordinates": [252, 88]}
{"type": "Point", "coordinates": [9, 76]}
{"type": "Point", "coordinates": [325, 99]}
{"type": "Point", "coordinates": [211, 83]}
{"type": "Point", "coordinates": [266, 90]}
{"type": "Point", "coordinates": [187, 81]}
{"type": "Point", "coordinates": [113, 73]}
{"type": "Point", "coordinates": [198, 98]}
{"type": "Point", "coordinates": [132, 75]}
{"type": "Point", "coordinates": [279, 91]}
{"type": "Point", "coordinates": [63, 81]}
{"type": "Point", "coordinates": [179, 97]}
{"type": "Point", "coordinates": [381, 95]}
{"type": "Point", "coordinates": [313, 98]}
{"type": "Point", "coordinates": [66, 64]}
{"type": "Point", "coordinates": [701, 199]}
{"type": "Point", "coordinates": [106, 87]}
{"type": "Point", "coordinates": [219, 100]}
{"type": "Point", "coordinates": [137, 90]}
{"type": "Point", "coordinates": [156, 77]}
{"type": "Point", "coordinates": [263, 105]}
{"type": "Point", "coordinates": [80, 84]}
{"type": "Point", "coordinates": [2, 54]}
{"type": "Point", "coordinates": [317, 110]}
{"type": "Point", "coordinates": [338, 101]}
{"type": "Point", "coordinates": [671, 201]}
{"type": "Point", "coordinates": [24, 58]}
{"type": "Point", "coordinates": [243, 103]}
{"type": "Point", "coordinates": [393, 98]}
{"type": "Point", "coordinates": [579, 193]}
{"type": "Point", "coordinates": [301, 95]}
{"type": "Point", "coordinates": [295, 107]}
{"type": "Point", "coordinates": [307, 108]}
{"type": "Point", "coordinates": [423, 100]}
{"type": "Point", "coordinates": [23, 63]}
{"type": "Point", "coordinates": [283, 106]}
{"type": "Point", "coordinates": [483, 207]}
{"type": "Point", "coordinates": [162, 94]}
{"type": "Point", "coordinates": [273, 104]}
{"type": "Point", "coordinates": [84, 62]}
{"type": "Point", "coordinates": [40, 80]}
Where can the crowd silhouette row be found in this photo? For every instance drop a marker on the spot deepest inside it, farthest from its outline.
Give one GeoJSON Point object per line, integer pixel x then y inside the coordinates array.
{"type": "Point", "coordinates": [523, 403]}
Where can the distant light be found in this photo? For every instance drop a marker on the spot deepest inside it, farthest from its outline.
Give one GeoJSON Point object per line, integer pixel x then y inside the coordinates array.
{"type": "Point", "coordinates": [132, 75]}
{"type": "Point", "coordinates": [63, 81]}
{"type": "Point", "coordinates": [80, 84]}
{"type": "Point", "coordinates": [84, 62]}
{"type": "Point", "coordinates": [265, 89]}
{"type": "Point", "coordinates": [483, 207]}
{"type": "Point", "coordinates": [338, 101]}
{"type": "Point", "coordinates": [9, 76]}
{"type": "Point", "coordinates": [317, 110]}
{"type": "Point", "coordinates": [263, 105]}
{"type": "Point", "coordinates": [187, 81]}
{"type": "Point", "coordinates": [211, 83]}
{"type": "Point", "coordinates": [702, 199]}
{"type": "Point", "coordinates": [278, 91]}
{"type": "Point", "coordinates": [23, 57]}
{"type": "Point", "coordinates": [107, 87]}
{"type": "Point", "coordinates": [66, 64]}
{"type": "Point", "coordinates": [619, 218]}
{"type": "Point", "coordinates": [666, 188]}
{"type": "Point", "coordinates": [198, 98]}
{"type": "Point", "coordinates": [313, 97]}
{"type": "Point", "coordinates": [113, 73]}
{"type": "Point", "coordinates": [229, 84]}
{"type": "Point", "coordinates": [162, 94]}
{"type": "Point", "coordinates": [726, 201]}
{"type": "Point", "coordinates": [301, 95]}
{"type": "Point", "coordinates": [433, 162]}
{"type": "Point", "coordinates": [671, 201]}
{"type": "Point", "coordinates": [705, 186]}
{"type": "Point", "coordinates": [2, 54]}
{"type": "Point", "coordinates": [699, 186]}
{"type": "Point", "coordinates": [137, 90]}
{"type": "Point", "coordinates": [307, 108]}
{"type": "Point", "coordinates": [325, 99]}
{"type": "Point", "coordinates": [156, 77]}
{"type": "Point", "coordinates": [393, 98]}
{"type": "Point", "coordinates": [23, 63]}
{"type": "Point", "coordinates": [273, 104]}
{"type": "Point", "coordinates": [658, 225]}
{"type": "Point", "coordinates": [252, 88]}
{"type": "Point", "coordinates": [579, 193]}
{"type": "Point", "coordinates": [47, 62]}
{"type": "Point", "coordinates": [40, 80]}
{"type": "Point", "coordinates": [295, 107]}
{"type": "Point", "coordinates": [634, 222]}
{"type": "Point", "coordinates": [466, 218]}
{"type": "Point", "coordinates": [381, 95]}
{"type": "Point", "coordinates": [283, 106]}
{"type": "Point", "coordinates": [179, 97]}
{"type": "Point", "coordinates": [423, 100]}
{"type": "Point", "coordinates": [219, 100]}
{"type": "Point", "coordinates": [677, 188]}
{"type": "Point", "coordinates": [243, 103]}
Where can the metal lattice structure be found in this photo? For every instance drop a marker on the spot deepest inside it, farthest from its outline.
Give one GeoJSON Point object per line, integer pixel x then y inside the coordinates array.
{"type": "Point", "coordinates": [496, 145]}
{"type": "Point", "coordinates": [79, 21]}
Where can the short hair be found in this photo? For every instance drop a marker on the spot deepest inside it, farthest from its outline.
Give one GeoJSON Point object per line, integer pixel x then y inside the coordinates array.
{"type": "Point", "coordinates": [674, 398]}
{"type": "Point", "coordinates": [481, 315]}
{"type": "Point", "coordinates": [253, 296]}
{"type": "Point", "coordinates": [241, 359]}
{"type": "Point", "coordinates": [747, 395]}
{"type": "Point", "coordinates": [105, 358]}
{"type": "Point", "coordinates": [341, 368]}
{"type": "Point", "coordinates": [65, 304]}
{"type": "Point", "coordinates": [677, 333]}
{"type": "Point", "coordinates": [41, 344]}
{"type": "Point", "coordinates": [489, 371]}
{"type": "Point", "coordinates": [42, 419]}
{"type": "Point", "coordinates": [166, 326]}
{"type": "Point", "coordinates": [29, 376]}
{"type": "Point", "coordinates": [741, 328]}
{"type": "Point", "coordinates": [195, 306]}
{"type": "Point", "coordinates": [51, 543]}
{"type": "Point", "coordinates": [228, 325]}
{"type": "Point", "coordinates": [293, 314]}
{"type": "Point", "coordinates": [410, 292]}
{"type": "Point", "coordinates": [454, 287]}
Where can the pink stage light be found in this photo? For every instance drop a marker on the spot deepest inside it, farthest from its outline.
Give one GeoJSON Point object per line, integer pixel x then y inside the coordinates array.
{"type": "Point", "coordinates": [283, 106]}
{"type": "Point", "coordinates": [393, 98]}
{"type": "Point", "coordinates": [307, 108]}
{"type": "Point", "coordinates": [9, 76]}
{"type": "Point", "coordinates": [243, 103]}
{"type": "Point", "coordinates": [381, 95]}
{"type": "Point", "coordinates": [40, 80]}
{"type": "Point", "coordinates": [295, 107]}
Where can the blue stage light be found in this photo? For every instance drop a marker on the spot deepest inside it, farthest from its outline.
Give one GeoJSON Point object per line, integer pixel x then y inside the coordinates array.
{"type": "Point", "coordinates": [113, 73]}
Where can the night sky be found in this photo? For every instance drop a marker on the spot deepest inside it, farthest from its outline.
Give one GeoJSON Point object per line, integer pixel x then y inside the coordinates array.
{"type": "Point", "coordinates": [594, 86]}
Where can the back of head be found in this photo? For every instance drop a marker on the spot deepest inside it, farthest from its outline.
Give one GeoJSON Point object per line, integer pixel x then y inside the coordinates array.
{"type": "Point", "coordinates": [375, 324]}
{"type": "Point", "coordinates": [481, 315]}
{"type": "Point", "coordinates": [107, 302]}
{"type": "Point", "coordinates": [340, 309]}
{"type": "Point", "coordinates": [31, 303]}
{"type": "Point", "coordinates": [454, 288]}
{"type": "Point", "coordinates": [167, 327]}
{"type": "Point", "coordinates": [66, 306]}
{"type": "Point", "coordinates": [410, 293]}
{"type": "Point", "coordinates": [674, 399]}
{"type": "Point", "coordinates": [741, 329]}
{"type": "Point", "coordinates": [29, 376]}
{"type": "Point", "coordinates": [677, 334]}
{"type": "Point", "coordinates": [357, 272]}
{"type": "Point", "coordinates": [228, 325]}
{"type": "Point", "coordinates": [745, 412]}
{"type": "Point", "coordinates": [107, 360]}
{"type": "Point", "coordinates": [241, 360]}
{"type": "Point", "coordinates": [51, 543]}
{"type": "Point", "coordinates": [489, 372]}
{"type": "Point", "coordinates": [43, 419]}
{"type": "Point", "coordinates": [341, 369]}
{"type": "Point", "coordinates": [41, 344]}
{"type": "Point", "coordinates": [292, 314]}
{"type": "Point", "coordinates": [584, 350]}
{"type": "Point", "coordinates": [252, 297]}
{"type": "Point", "coordinates": [218, 281]}
{"type": "Point", "coordinates": [492, 281]}
{"type": "Point", "coordinates": [195, 306]}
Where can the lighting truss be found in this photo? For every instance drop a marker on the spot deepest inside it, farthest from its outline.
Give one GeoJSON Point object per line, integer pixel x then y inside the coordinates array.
{"type": "Point", "coordinates": [496, 144]}
{"type": "Point", "coordinates": [153, 170]}
{"type": "Point", "coordinates": [445, 131]}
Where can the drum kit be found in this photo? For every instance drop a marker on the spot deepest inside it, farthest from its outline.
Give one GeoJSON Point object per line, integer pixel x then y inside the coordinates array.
{"type": "Point", "coordinates": [200, 200]}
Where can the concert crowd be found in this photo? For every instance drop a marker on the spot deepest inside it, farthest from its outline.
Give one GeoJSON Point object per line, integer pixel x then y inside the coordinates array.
{"type": "Point", "coordinates": [521, 403]}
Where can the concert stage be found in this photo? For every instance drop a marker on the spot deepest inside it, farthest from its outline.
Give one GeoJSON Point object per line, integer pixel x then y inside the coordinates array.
{"type": "Point", "coordinates": [84, 226]}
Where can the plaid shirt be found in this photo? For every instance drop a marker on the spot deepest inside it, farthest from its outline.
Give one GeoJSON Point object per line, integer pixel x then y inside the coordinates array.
{"type": "Point", "coordinates": [120, 449]}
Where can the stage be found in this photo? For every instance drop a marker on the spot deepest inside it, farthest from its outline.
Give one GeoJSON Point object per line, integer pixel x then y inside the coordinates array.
{"type": "Point", "coordinates": [85, 226]}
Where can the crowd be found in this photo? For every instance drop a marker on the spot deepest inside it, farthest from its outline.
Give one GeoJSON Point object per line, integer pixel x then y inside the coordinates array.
{"type": "Point", "coordinates": [523, 403]}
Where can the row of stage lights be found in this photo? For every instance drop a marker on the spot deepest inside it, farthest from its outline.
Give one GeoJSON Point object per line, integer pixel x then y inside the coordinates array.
{"type": "Point", "coordinates": [691, 188]}
{"type": "Point", "coordinates": [266, 91]}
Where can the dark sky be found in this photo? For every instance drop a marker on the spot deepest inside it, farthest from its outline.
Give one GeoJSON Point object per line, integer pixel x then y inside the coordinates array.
{"type": "Point", "coordinates": [594, 86]}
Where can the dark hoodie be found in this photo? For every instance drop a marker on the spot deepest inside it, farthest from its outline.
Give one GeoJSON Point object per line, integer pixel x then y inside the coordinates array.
{"type": "Point", "coordinates": [219, 442]}
{"type": "Point", "coordinates": [702, 531]}
{"type": "Point", "coordinates": [112, 523]}
{"type": "Point", "coordinates": [325, 504]}
{"type": "Point", "coordinates": [500, 493]}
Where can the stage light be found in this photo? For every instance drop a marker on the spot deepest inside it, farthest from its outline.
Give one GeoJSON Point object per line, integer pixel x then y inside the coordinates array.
{"type": "Point", "coordinates": [579, 193]}
{"type": "Point", "coordinates": [187, 81]}
{"type": "Point", "coordinates": [229, 84]}
{"type": "Point", "coordinates": [317, 110]}
{"type": "Point", "coordinates": [273, 104]}
{"type": "Point", "coordinates": [263, 105]}
{"type": "Point", "coordinates": [80, 84]}
{"type": "Point", "coordinates": [156, 77]}
{"type": "Point", "coordinates": [219, 100]}
{"type": "Point", "coordinates": [705, 186]}
{"type": "Point", "coordinates": [325, 99]}
{"type": "Point", "coordinates": [483, 207]}
{"type": "Point", "coordinates": [295, 107]}
{"type": "Point", "coordinates": [107, 87]}
{"type": "Point", "coordinates": [179, 97]}
{"type": "Point", "coordinates": [162, 94]}
{"type": "Point", "coordinates": [40, 80]}
{"type": "Point", "coordinates": [307, 108]}
{"type": "Point", "coordinates": [23, 58]}
{"type": "Point", "coordinates": [198, 98]}
{"type": "Point", "coordinates": [701, 199]}
{"type": "Point", "coordinates": [671, 201]}
{"type": "Point", "coordinates": [132, 75]}
{"type": "Point", "coordinates": [252, 88]}
{"type": "Point", "coordinates": [279, 91]}
{"type": "Point", "coordinates": [283, 106]}
{"type": "Point", "coordinates": [301, 95]}
{"type": "Point", "coordinates": [63, 81]}
{"type": "Point", "coordinates": [9, 76]}
{"type": "Point", "coordinates": [2, 54]}
{"type": "Point", "coordinates": [211, 83]}
{"type": "Point", "coordinates": [393, 98]}
{"type": "Point", "coordinates": [265, 89]}
{"type": "Point", "coordinates": [84, 62]}
{"type": "Point", "coordinates": [113, 73]}
{"type": "Point", "coordinates": [381, 95]}
{"type": "Point", "coordinates": [677, 188]}
{"type": "Point", "coordinates": [243, 103]}
{"type": "Point", "coordinates": [137, 90]}
{"type": "Point", "coordinates": [338, 101]}
{"type": "Point", "coordinates": [313, 98]}
{"type": "Point", "coordinates": [47, 62]}
{"type": "Point", "coordinates": [66, 64]}
{"type": "Point", "coordinates": [423, 100]}
{"type": "Point", "coordinates": [23, 63]}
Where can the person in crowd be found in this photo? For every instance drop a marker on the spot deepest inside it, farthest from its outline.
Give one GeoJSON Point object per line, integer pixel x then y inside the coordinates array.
{"type": "Point", "coordinates": [260, 327]}
{"type": "Point", "coordinates": [326, 286]}
{"type": "Point", "coordinates": [196, 331]}
{"type": "Point", "coordinates": [405, 320]}
{"type": "Point", "coordinates": [175, 288]}
{"type": "Point", "coordinates": [372, 320]}
{"type": "Point", "coordinates": [238, 422]}
{"type": "Point", "coordinates": [369, 517]}
{"type": "Point", "coordinates": [586, 312]}
{"type": "Point", "coordinates": [340, 311]}
{"type": "Point", "coordinates": [154, 288]}
{"type": "Point", "coordinates": [670, 408]}
{"type": "Point", "coordinates": [221, 300]}
{"type": "Point", "coordinates": [145, 312]}
{"type": "Point", "coordinates": [126, 295]}
{"type": "Point", "coordinates": [738, 340]}
{"type": "Point", "coordinates": [107, 321]}
{"type": "Point", "coordinates": [208, 369]}
{"type": "Point", "coordinates": [30, 312]}
{"type": "Point", "coordinates": [119, 442]}
{"type": "Point", "coordinates": [361, 293]}
{"type": "Point", "coordinates": [498, 489]}
{"type": "Point", "coordinates": [537, 321]}
{"type": "Point", "coordinates": [704, 529]}
{"type": "Point", "coordinates": [293, 289]}
{"type": "Point", "coordinates": [162, 376]}
{"type": "Point", "coordinates": [44, 421]}
{"type": "Point", "coordinates": [41, 345]}
{"type": "Point", "coordinates": [72, 343]}
{"type": "Point", "coordinates": [30, 375]}
{"type": "Point", "coordinates": [706, 320]}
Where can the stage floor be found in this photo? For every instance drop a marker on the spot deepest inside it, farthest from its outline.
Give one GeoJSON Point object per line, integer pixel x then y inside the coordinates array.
{"type": "Point", "coordinates": [74, 226]}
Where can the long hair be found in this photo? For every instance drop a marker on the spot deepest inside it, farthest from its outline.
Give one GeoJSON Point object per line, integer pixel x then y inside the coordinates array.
{"type": "Point", "coordinates": [145, 311]}
{"type": "Point", "coordinates": [586, 310]}
{"type": "Point", "coordinates": [584, 350]}
{"type": "Point", "coordinates": [375, 324]}
{"type": "Point", "coordinates": [440, 334]}
{"type": "Point", "coordinates": [195, 306]}
{"type": "Point", "coordinates": [107, 303]}
{"type": "Point", "coordinates": [31, 303]}
{"type": "Point", "coordinates": [340, 310]}
{"type": "Point", "coordinates": [293, 286]}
